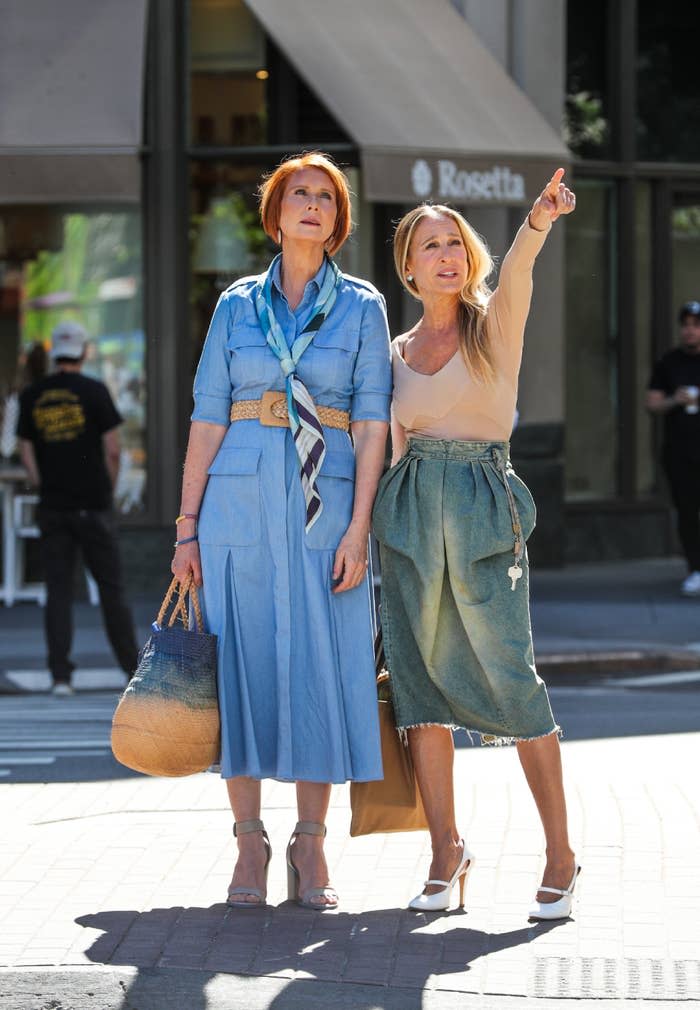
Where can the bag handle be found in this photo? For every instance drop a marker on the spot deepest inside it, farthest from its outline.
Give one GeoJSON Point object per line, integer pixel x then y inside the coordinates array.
{"type": "Point", "coordinates": [180, 608]}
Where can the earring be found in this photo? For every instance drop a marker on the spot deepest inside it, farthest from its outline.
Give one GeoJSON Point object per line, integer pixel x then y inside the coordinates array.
{"type": "Point", "coordinates": [409, 278]}
{"type": "Point", "coordinates": [279, 236]}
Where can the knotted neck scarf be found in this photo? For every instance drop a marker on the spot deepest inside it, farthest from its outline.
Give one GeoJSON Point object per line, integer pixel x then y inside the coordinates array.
{"type": "Point", "coordinates": [306, 428]}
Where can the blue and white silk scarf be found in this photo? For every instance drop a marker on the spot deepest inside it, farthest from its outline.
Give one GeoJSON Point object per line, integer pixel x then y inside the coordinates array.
{"type": "Point", "coordinates": [306, 428]}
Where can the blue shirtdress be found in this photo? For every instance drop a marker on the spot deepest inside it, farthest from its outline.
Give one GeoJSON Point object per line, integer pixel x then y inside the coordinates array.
{"type": "Point", "coordinates": [295, 663]}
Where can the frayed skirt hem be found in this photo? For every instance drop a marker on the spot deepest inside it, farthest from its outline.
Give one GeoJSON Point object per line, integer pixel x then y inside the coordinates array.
{"type": "Point", "coordinates": [487, 739]}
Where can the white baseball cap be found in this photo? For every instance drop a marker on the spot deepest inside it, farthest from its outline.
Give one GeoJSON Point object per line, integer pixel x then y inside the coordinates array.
{"type": "Point", "coordinates": [68, 340]}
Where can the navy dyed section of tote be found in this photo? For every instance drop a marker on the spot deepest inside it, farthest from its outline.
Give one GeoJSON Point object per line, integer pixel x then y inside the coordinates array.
{"type": "Point", "coordinates": [175, 663]}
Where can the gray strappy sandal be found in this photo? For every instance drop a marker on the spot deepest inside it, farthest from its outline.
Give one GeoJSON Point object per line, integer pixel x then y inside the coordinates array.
{"type": "Point", "coordinates": [246, 828]}
{"type": "Point", "coordinates": [293, 880]}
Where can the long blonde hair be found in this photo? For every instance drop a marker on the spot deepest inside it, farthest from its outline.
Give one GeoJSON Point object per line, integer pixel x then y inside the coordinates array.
{"type": "Point", "coordinates": [474, 296]}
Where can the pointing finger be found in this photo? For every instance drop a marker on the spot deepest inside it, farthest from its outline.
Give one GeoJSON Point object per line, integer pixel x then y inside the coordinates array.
{"type": "Point", "coordinates": [552, 187]}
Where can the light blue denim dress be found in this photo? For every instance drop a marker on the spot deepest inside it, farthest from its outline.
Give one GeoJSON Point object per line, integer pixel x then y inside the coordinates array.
{"type": "Point", "coordinates": [295, 663]}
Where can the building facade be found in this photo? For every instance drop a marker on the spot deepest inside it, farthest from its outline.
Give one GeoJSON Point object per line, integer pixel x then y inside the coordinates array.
{"type": "Point", "coordinates": [134, 133]}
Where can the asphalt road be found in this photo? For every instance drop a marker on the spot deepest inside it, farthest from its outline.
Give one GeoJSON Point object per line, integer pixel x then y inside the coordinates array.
{"type": "Point", "coordinates": [47, 739]}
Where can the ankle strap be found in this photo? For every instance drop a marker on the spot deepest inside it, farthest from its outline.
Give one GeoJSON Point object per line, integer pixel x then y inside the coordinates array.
{"type": "Point", "coordinates": [309, 828]}
{"type": "Point", "coordinates": [246, 827]}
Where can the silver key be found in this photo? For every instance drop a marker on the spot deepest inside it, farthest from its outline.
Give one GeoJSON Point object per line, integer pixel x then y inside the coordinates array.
{"type": "Point", "coordinates": [515, 572]}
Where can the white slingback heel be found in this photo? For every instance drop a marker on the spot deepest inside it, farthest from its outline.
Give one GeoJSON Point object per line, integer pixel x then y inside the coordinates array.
{"type": "Point", "coordinates": [543, 910]}
{"type": "Point", "coordinates": [440, 901]}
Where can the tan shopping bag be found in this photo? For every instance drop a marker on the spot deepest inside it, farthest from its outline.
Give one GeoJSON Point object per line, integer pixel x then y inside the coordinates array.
{"type": "Point", "coordinates": [393, 803]}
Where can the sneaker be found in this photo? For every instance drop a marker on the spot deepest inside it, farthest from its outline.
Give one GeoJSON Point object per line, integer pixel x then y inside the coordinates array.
{"type": "Point", "coordinates": [691, 585]}
{"type": "Point", "coordinates": [63, 690]}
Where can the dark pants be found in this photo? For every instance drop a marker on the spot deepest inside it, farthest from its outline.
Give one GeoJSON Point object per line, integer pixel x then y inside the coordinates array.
{"type": "Point", "coordinates": [684, 479]}
{"type": "Point", "coordinates": [94, 533]}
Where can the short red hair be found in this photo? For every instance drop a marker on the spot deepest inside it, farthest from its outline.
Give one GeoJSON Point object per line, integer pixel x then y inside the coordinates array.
{"type": "Point", "coordinates": [272, 189]}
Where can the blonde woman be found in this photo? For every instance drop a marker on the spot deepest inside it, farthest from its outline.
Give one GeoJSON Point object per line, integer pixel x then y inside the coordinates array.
{"type": "Point", "coordinates": [452, 519]}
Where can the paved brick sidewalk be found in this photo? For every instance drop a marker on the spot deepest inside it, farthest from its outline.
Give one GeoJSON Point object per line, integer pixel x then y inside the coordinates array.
{"type": "Point", "coordinates": [132, 873]}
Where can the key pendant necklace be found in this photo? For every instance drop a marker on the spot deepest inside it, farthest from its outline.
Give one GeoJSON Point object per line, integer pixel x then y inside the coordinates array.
{"type": "Point", "coordinates": [515, 572]}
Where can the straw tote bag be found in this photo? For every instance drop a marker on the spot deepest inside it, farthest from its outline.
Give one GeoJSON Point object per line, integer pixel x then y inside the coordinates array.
{"type": "Point", "coordinates": [167, 720]}
{"type": "Point", "coordinates": [393, 803]}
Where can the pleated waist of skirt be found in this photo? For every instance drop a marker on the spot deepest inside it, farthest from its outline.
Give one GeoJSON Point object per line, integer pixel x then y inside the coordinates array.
{"type": "Point", "coordinates": [496, 453]}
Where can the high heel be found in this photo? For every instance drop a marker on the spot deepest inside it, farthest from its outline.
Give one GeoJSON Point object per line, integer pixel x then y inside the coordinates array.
{"type": "Point", "coordinates": [246, 828]}
{"type": "Point", "coordinates": [440, 901]}
{"type": "Point", "coordinates": [293, 879]}
{"type": "Point", "coordinates": [543, 910]}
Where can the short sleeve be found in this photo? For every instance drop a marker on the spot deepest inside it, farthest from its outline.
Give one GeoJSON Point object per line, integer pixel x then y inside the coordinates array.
{"type": "Point", "coordinates": [106, 414]}
{"type": "Point", "coordinates": [212, 382]}
{"type": "Point", "coordinates": [372, 375]}
{"type": "Point", "coordinates": [659, 378]}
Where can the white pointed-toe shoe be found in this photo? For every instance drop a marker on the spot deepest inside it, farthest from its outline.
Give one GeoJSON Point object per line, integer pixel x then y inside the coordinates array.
{"type": "Point", "coordinates": [560, 909]}
{"type": "Point", "coordinates": [440, 901]}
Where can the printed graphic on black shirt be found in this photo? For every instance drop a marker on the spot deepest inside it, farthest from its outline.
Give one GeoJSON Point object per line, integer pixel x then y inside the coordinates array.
{"type": "Point", "coordinates": [65, 416]}
{"type": "Point", "coordinates": [58, 416]}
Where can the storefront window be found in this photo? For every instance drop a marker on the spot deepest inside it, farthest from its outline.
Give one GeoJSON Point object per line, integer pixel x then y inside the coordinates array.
{"type": "Point", "coordinates": [587, 117]}
{"type": "Point", "coordinates": [685, 237]}
{"type": "Point", "coordinates": [84, 266]}
{"type": "Point", "coordinates": [226, 239]}
{"type": "Point", "coordinates": [668, 85]}
{"type": "Point", "coordinates": [592, 345]}
{"type": "Point", "coordinates": [228, 75]}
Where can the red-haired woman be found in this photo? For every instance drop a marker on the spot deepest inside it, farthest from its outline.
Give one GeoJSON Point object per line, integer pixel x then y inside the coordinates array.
{"type": "Point", "coordinates": [275, 516]}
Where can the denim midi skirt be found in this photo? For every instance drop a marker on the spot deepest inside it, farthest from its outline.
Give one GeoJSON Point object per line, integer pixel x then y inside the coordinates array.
{"type": "Point", "coordinates": [457, 637]}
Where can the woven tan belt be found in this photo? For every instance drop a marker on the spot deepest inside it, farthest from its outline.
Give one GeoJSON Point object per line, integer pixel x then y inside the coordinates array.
{"type": "Point", "coordinates": [271, 411]}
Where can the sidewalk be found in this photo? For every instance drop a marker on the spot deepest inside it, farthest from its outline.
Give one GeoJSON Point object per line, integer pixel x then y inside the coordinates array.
{"type": "Point", "coordinates": [111, 891]}
{"type": "Point", "coordinates": [612, 616]}
{"type": "Point", "coordinates": [116, 889]}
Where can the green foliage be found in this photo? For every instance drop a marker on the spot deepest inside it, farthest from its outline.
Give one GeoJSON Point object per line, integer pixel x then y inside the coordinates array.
{"type": "Point", "coordinates": [96, 247]}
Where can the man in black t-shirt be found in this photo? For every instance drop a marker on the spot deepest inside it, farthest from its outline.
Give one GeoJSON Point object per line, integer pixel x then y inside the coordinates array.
{"type": "Point", "coordinates": [69, 444]}
{"type": "Point", "coordinates": [674, 390]}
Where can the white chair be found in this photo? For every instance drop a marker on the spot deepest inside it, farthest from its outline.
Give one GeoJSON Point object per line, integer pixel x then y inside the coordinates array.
{"type": "Point", "coordinates": [25, 528]}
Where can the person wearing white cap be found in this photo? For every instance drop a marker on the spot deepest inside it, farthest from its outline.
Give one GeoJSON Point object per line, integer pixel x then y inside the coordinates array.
{"type": "Point", "coordinates": [68, 433]}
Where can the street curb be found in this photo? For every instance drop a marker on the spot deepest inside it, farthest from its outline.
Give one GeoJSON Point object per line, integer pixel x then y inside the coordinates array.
{"type": "Point", "coordinates": [594, 661]}
{"type": "Point", "coordinates": [129, 988]}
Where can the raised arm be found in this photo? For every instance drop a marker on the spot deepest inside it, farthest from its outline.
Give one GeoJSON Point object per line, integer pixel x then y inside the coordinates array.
{"type": "Point", "coordinates": [510, 302]}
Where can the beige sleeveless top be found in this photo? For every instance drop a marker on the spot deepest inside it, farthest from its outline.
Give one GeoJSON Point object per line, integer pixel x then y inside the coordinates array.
{"type": "Point", "coordinates": [451, 404]}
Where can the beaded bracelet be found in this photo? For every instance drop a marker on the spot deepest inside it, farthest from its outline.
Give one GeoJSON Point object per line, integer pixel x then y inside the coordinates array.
{"type": "Point", "coordinates": [186, 515]}
{"type": "Point", "coordinates": [187, 540]}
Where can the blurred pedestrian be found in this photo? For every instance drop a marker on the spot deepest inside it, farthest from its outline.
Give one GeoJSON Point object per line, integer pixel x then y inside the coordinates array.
{"type": "Point", "coordinates": [32, 367]}
{"type": "Point", "coordinates": [69, 443]}
{"type": "Point", "coordinates": [36, 364]}
{"type": "Point", "coordinates": [452, 518]}
{"type": "Point", "coordinates": [673, 392]}
{"type": "Point", "coordinates": [275, 514]}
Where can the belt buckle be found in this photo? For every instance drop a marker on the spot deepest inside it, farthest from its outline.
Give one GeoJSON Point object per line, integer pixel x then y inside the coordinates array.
{"type": "Point", "coordinates": [273, 409]}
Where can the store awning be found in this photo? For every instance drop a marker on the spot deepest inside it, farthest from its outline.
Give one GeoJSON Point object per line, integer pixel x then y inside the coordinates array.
{"type": "Point", "coordinates": [433, 112]}
{"type": "Point", "coordinates": [71, 99]}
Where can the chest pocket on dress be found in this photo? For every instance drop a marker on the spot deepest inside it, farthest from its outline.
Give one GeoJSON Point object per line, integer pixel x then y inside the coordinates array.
{"type": "Point", "coordinates": [231, 508]}
{"type": "Point", "coordinates": [249, 355]}
{"type": "Point", "coordinates": [336, 485]}
{"type": "Point", "coordinates": [332, 360]}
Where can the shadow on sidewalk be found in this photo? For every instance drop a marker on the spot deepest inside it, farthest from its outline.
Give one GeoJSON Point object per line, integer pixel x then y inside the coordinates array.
{"type": "Point", "coordinates": [390, 947]}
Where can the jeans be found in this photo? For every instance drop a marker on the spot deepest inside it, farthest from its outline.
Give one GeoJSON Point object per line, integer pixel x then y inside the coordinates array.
{"type": "Point", "coordinates": [94, 533]}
